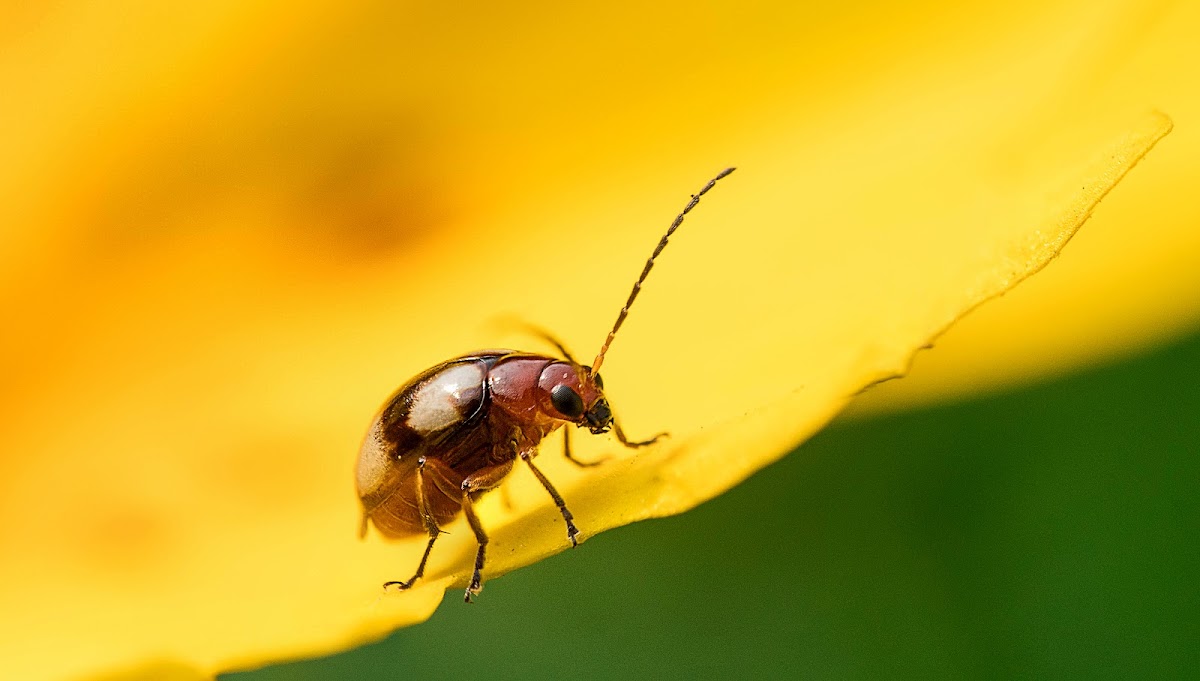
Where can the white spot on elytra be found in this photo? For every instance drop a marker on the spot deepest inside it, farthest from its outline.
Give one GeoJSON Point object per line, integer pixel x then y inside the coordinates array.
{"type": "Point", "coordinates": [441, 402]}
{"type": "Point", "coordinates": [372, 460]}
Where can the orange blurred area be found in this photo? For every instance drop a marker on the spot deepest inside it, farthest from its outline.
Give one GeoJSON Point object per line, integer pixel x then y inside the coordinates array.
{"type": "Point", "coordinates": [228, 231]}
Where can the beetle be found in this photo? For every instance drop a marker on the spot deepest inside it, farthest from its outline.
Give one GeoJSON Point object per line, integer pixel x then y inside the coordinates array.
{"type": "Point", "coordinates": [455, 431]}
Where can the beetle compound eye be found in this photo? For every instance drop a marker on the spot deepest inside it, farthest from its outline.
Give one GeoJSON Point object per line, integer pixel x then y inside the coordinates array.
{"type": "Point", "coordinates": [566, 401]}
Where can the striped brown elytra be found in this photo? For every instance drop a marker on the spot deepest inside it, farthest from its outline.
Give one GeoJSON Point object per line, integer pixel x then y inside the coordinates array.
{"type": "Point", "coordinates": [455, 431]}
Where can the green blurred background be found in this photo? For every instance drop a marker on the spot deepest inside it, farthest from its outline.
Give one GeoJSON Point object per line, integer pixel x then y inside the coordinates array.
{"type": "Point", "coordinates": [1049, 532]}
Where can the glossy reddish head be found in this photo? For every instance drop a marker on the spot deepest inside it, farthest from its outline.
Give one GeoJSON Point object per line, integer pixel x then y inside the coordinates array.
{"type": "Point", "coordinates": [570, 392]}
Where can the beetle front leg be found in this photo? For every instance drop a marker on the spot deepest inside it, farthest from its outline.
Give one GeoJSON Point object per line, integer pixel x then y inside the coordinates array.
{"type": "Point", "coordinates": [572, 531]}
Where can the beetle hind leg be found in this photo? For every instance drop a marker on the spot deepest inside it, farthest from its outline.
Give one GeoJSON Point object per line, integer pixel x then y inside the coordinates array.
{"type": "Point", "coordinates": [430, 526]}
{"type": "Point", "coordinates": [433, 535]}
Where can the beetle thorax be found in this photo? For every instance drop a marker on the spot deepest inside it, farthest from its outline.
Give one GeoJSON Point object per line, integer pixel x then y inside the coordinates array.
{"type": "Point", "coordinates": [525, 386]}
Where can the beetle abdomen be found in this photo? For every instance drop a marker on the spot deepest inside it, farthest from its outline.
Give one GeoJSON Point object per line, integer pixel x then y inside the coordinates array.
{"type": "Point", "coordinates": [426, 415]}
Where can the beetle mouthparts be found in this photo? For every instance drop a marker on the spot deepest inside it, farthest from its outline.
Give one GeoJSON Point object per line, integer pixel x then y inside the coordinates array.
{"type": "Point", "coordinates": [599, 417]}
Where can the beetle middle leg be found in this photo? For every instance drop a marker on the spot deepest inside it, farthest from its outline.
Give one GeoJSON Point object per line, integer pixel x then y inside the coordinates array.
{"type": "Point", "coordinates": [567, 452]}
{"type": "Point", "coordinates": [468, 493]}
{"type": "Point", "coordinates": [631, 443]}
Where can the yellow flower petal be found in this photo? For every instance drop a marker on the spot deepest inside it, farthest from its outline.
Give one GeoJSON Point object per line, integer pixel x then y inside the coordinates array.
{"type": "Point", "coordinates": [230, 234]}
{"type": "Point", "coordinates": [1134, 279]}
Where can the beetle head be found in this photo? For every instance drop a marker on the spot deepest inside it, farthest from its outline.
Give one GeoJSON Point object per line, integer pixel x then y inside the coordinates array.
{"type": "Point", "coordinates": [570, 392]}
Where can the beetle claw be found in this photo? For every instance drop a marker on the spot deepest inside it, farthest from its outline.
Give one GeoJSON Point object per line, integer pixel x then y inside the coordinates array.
{"type": "Point", "coordinates": [472, 591]}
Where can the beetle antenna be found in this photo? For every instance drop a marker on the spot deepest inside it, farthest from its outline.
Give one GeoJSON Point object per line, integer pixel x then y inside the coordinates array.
{"type": "Point", "coordinates": [637, 287]}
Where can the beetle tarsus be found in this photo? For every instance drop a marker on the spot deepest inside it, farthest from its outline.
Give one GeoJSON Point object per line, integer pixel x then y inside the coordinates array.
{"type": "Point", "coordinates": [476, 584]}
{"type": "Point", "coordinates": [472, 591]}
{"type": "Point", "coordinates": [468, 505]}
{"type": "Point", "coordinates": [434, 532]}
